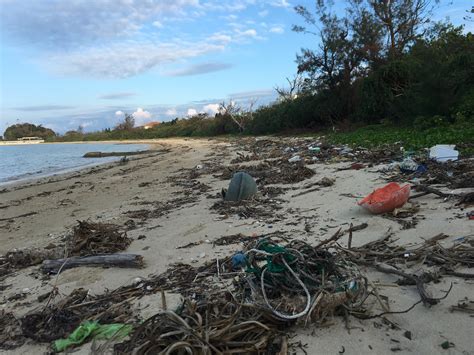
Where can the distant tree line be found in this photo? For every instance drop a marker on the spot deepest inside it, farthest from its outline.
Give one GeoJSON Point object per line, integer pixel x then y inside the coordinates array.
{"type": "Point", "coordinates": [27, 130]}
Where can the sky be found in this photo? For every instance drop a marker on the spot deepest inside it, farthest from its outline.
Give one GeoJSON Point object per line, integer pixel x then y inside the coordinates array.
{"type": "Point", "coordinates": [66, 63]}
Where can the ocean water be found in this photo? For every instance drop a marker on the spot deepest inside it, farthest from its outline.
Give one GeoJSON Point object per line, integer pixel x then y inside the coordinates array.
{"type": "Point", "coordinates": [19, 162]}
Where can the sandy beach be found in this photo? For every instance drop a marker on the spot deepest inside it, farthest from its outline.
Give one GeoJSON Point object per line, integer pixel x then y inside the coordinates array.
{"type": "Point", "coordinates": [170, 198]}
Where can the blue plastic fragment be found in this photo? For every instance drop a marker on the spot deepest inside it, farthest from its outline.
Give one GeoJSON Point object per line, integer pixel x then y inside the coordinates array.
{"type": "Point", "coordinates": [239, 260]}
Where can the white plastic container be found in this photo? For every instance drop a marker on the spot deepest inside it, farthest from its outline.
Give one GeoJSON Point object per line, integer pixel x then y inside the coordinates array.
{"type": "Point", "coordinates": [443, 152]}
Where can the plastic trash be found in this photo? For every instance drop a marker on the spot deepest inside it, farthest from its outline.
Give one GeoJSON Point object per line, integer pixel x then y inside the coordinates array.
{"type": "Point", "coordinates": [357, 166]}
{"type": "Point", "coordinates": [238, 261]}
{"type": "Point", "coordinates": [241, 187]}
{"type": "Point", "coordinates": [408, 166]}
{"type": "Point", "coordinates": [443, 152]}
{"type": "Point", "coordinates": [294, 159]}
{"type": "Point", "coordinates": [92, 330]}
{"type": "Point", "coordinates": [386, 199]}
{"type": "Point", "coordinates": [346, 151]}
{"type": "Point", "coordinates": [314, 149]}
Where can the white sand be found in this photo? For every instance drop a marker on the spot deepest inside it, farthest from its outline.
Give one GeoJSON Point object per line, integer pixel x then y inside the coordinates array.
{"type": "Point", "coordinates": [109, 191]}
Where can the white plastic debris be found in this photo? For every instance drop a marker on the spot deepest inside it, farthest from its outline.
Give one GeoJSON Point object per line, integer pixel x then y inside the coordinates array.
{"type": "Point", "coordinates": [346, 151]}
{"type": "Point", "coordinates": [199, 166]}
{"type": "Point", "coordinates": [444, 152]}
{"type": "Point", "coordinates": [408, 164]}
{"type": "Point", "coordinates": [294, 159]}
{"type": "Point", "coordinates": [26, 290]}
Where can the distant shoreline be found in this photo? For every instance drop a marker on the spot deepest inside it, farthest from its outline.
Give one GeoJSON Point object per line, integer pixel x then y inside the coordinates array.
{"type": "Point", "coordinates": [125, 141]}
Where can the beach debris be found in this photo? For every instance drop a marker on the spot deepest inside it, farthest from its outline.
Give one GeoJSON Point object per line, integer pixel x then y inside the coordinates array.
{"type": "Point", "coordinates": [58, 320]}
{"type": "Point", "coordinates": [299, 282]}
{"type": "Point", "coordinates": [233, 239]}
{"type": "Point", "coordinates": [294, 159]}
{"type": "Point", "coordinates": [102, 260]}
{"type": "Point", "coordinates": [241, 187]}
{"type": "Point", "coordinates": [113, 154]}
{"type": "Point", "coordinates": [465, 306]}
{"type": "Point", "coordinates": [379, 253]}
{"type": "Point", "coordinates": [248, 301]}
{"type": "Point", "coordinates": [22, 258]}
{"type": "Point", "coordinates": [257, 207]}
{"type": "Point", "coordinates": [92, 330]}
{"type": "Point", "coordinates": [46, 327]}
{"type": "Point", "coordinates": [447, 344]}
{"type": "Point", "coordinates": [274, 172]}
{"type": "Point", "coordinates": [386, 199]}
{"type": "Point", "coordinates": [218, 325]}
{"type": "Point", "coordinates": [353, 166]}
{"type": "Point", "coordinates": [97, 238]}
{"type": "Point", "coordinates": [409, 166]}
{"type": "Point", "coordinates": [160, 209]}
{"type": "Point", "coordinates": [11, 335]}
{"type": "Point", "coordinates": [444, 152]}
{"type": "Point", "coordinates": [239, 260]}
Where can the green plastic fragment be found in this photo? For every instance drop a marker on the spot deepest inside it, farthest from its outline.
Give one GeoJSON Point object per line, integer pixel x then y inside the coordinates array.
{"type": "Point", "coordinates": [92, 330]}
{"type": "Point", "coordinates": [447, 344]}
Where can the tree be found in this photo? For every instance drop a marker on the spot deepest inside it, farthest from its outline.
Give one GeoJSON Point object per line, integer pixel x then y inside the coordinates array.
{"type": "Point", "coordinates": [127, 124]}
{"type": "Point", "coordinates": [349, 45]}
{"type": "Point", "coordinates": [236, 113]}
{"type": "Point", "coordinates": [403, 21]}
{"type": "Point", "coordinates": [294, 89]}
{"type": "Point", "coordinates": [27, 130]}
{"type": "Point", "coordinates": [469, 16]}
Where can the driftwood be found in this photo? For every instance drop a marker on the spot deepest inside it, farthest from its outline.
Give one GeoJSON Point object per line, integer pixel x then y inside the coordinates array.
{"type": "Point", "coordinates": [104, 260]}
{"type": "Point", "coordinates": [113, 154]}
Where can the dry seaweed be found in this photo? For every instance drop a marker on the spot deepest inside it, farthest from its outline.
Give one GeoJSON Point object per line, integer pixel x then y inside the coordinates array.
{"type": "Point", "coordinates": [97, 238]}
{"type": "Point", "coordinates": [257, 208]}
{"type": "Point", "coordinates": [58, 320]}
{"type": "Point", "coordinates": [271, 172]}
{"type": "Point", "coordinates": [161, 208]}
{"type": "Point", "coordinates": [383, 255]}
{"type": "Point", "coordinates": [11, 335]}
{"type": "Point", "coordinates": [216, 325]}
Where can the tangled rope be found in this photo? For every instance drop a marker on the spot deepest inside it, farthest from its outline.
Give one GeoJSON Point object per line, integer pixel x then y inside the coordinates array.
{"type": "Point", "coordinates": [288, 273]}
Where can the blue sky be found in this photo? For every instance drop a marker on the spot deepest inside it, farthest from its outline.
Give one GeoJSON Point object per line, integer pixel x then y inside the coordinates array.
{"type": "Point", "coordinates": [66, 63]}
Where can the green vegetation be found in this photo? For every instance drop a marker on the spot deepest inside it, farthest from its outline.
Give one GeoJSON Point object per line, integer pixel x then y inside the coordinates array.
{"type": "Point", "coordinates": [411, 138]}
{"type": "Point", "coordinates": [27, 130]}
{"type": "Point", "coordinates": [382, 66]}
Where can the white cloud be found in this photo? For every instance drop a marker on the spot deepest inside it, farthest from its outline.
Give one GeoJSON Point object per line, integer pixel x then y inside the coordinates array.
{"type": "Point", "coordinates": [211, 109]}
{"type": "Point", "coordinates": [112, 38]}
{"type": "Point", "coordinates": [66, 24]}
{"type": "Point", "coordinates": [280, 3]}
{"type": "Point", "coordinates": [202, 68]}
{"type": "Point", "coordinates": [119, 114]}
{"type": "Point", "coordinates": [263, 13]}
{"type": "Point", "coordinates": [218, 37]}
{"type": "Point", "coordinates": [249, 33]}
{"type": "Point", "coordinates": [277, 29]}
{"type": "Point", "coordinates": [171, 112]}
{"type": "Point", "coordinates": [116, 96]}
{"type": "Point", "coordinates": [128, 59]}
{"type": "Point", "coordinates": [141, 116]}
{"type": "Point", "coordinates": [157, 24]}
{"type": "Point", "coordinates": [191, 112]}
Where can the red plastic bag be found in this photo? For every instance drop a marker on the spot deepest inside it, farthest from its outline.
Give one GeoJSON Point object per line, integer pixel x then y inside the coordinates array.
{"type": "Point", "coordinates": [386, 199]}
